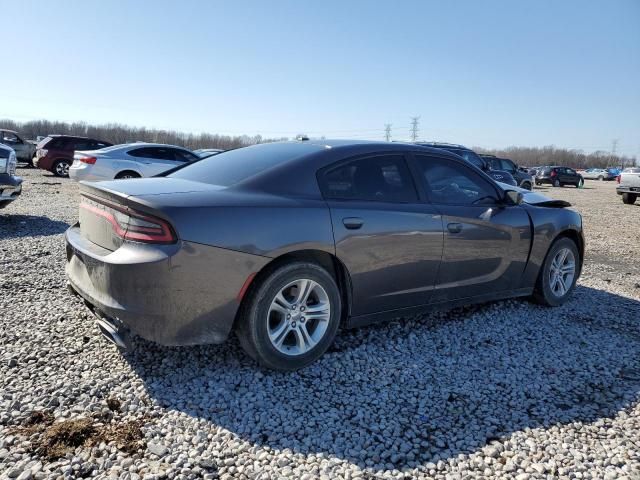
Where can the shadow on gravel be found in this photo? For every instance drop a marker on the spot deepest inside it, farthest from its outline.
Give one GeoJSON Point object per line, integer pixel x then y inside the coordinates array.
{"type": "Point", "coordinates": [421, 389]}
{"type": "Point", "coordinates": [14, 226]}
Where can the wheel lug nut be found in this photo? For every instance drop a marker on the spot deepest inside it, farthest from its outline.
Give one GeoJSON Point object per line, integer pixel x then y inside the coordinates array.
{"type": "Point", "coordinates": [302, 319]}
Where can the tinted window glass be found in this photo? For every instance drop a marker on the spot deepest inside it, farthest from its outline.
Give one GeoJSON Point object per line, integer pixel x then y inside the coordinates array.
{"type": "Point", "coordinates": [507, 165]}
{"type": "Point", "coordinates": [184, 156]}
{"type": "Point", "coordinates": [571, 171]}
{"type": "Point", "coordinates": [471, 157]}
{"type": "Point", "coordinates": [383, 178]}
{"type": "Point", "coordinates": [448, 183]}
{"type": "Point", "coordinates": [82, 144]}
{"type": "Point", "coordinates": [235, 166]}
{"type": "Point", "coordinates": [8, 137]}
{"type": "Point", "coordinates": [58, 142]}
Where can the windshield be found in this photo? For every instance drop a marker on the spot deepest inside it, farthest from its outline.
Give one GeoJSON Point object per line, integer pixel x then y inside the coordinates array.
{"type": "Point", "coordinates": [234, 166]}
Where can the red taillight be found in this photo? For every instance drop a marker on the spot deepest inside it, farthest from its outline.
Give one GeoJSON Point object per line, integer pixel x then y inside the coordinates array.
{"type": "Point", "coordinates": [88, 160]}
{"type": "Point", "coordinates": [618, 178]}
{"type": "Point", "coordinates": [553, 173]}
{"type": "Point", "coordinates": [130, 224]}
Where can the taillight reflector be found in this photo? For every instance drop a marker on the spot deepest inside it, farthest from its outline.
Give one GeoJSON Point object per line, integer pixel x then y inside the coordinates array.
{"type": "Point", "coordinates": [553, 173]}
{"type": "Point", "coordinates": [129, 224]}
{"type": "Point", "coordinates": [88, 160]}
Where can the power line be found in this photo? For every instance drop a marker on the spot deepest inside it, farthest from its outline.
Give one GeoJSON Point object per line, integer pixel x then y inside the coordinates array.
{"type": "Point", "coordinates": [414, 128]}
{"type": "Point", "coordinates": [387, 132]}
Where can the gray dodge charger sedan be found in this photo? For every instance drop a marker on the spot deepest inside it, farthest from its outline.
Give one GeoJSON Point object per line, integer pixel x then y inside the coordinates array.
{"type": "Point", "coordinates": [283, 243]}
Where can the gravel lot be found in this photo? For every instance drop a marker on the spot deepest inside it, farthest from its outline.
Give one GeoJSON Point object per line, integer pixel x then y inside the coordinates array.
{"type": "Point", "coordinates": [504, 390]}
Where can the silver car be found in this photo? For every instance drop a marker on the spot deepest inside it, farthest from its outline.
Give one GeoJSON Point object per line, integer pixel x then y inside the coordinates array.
{"type": "Point", "coordinates": [132, 160]}
{"type": "Point", "coordinates": [598, 174]}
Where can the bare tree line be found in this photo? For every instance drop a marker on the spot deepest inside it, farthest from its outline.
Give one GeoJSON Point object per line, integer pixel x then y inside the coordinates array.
{"type": "Point", "coordinates": [551, 155]}
{"type": "Point", "coordinates": [118, 133]}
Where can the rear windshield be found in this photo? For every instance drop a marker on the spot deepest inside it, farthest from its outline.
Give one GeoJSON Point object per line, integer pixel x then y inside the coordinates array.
{"type": "Point", "coordinates": [234, 166]}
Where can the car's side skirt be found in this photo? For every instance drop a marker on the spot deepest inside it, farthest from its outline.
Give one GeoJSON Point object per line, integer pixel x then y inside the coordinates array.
{"type": "Point", "coordinates": [368, 319]}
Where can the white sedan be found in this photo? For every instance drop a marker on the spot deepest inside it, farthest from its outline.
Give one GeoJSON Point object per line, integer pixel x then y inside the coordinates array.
{"type": "Point", "coordinates": [131, 160]}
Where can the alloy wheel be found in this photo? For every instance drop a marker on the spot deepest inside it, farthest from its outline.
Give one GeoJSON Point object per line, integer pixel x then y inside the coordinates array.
{"type": "Point", "coordinates": [62, 169]}
{"type": "Point", "coordinates": [298, 317]}
{"type": "Point", "coordinates": [562, 272]}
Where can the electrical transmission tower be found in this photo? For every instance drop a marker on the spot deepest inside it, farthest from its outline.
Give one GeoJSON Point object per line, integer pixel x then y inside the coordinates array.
{"type": "Point", "coordinates": [414, 128]}
{"type": "Point", "coordinates": [387, 132]}
{"type": "Point", "coordinates": [614, 147]}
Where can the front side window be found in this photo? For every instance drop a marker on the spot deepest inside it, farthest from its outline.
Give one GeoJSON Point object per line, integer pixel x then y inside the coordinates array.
{"type": "Point", "coordinates": [381, 178]}
{"type": "Point", "coordinates": [185, 156]}
{"type": "Point", "coordinates": [448, 183]}
{"type": "Point", "coordinates": [507, 165]}
{"type": "Point", "coordinates": [9, 137]}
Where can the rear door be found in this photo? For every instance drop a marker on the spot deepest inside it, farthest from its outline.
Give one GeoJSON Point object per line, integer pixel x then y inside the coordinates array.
{"type": "Point", "coordinates": [390, 242]}
{"type": "Point", "coordinates": [486, 242]}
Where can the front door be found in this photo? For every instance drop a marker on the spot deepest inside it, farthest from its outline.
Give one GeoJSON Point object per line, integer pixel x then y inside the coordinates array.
{"type": "Point", "coordinates": [390, 242]}
{"type": "Point", "coordinates": [486, 241]}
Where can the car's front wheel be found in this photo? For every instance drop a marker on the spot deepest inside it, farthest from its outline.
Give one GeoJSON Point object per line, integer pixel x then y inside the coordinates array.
{"type": "Point", "coordinates": [559, 273]}
{"type": "Point", "coordinates": [290, 317]}
{"type": "Point", "coordinates": [61, 168]}
{"type": "Point", "coordinates": [629, 198]}
{"type": "Point", "coordinates": [556, 183]}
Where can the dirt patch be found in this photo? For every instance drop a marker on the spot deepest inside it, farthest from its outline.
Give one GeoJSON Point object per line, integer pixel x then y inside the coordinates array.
{"type": "Point", "coordinates": [52, 440]}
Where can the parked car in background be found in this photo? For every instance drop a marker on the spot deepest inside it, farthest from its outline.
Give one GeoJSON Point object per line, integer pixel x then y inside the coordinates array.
{"type": "Point", "coordinates": [207, 152]}
{"type": "Point", "coordinates": [559, 177]}
{"type": "Point", "coordinates": [285, 242]}
{"type": "Point", "coordinates": [24, 149]}
{"type": "Point", "coordinates": [10, 185]}
{"type": "Point", "coordinates": [474, 159]}
{"type": "Point", "coordinates": [629, 185]}
{"type": "Point", "coordinates": [523, 179]}
{"type": "Point", "coordinates": [55, 153]}
{"type": "Point", "coordinates": [598, 174]}
{"type": "Point", "coordinates": [132, 160]}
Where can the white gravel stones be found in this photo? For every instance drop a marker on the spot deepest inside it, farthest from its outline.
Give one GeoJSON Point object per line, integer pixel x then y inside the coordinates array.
{"type": "Point", "coordinates": [506, 390]}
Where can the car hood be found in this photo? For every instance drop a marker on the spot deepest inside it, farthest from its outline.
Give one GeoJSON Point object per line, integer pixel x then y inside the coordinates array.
{"type": "Point", "coordinates": [534, 198]}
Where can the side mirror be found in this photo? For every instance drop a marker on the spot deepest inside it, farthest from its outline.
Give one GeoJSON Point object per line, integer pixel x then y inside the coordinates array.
{"type": "Point", "coordinates": [512, 197]}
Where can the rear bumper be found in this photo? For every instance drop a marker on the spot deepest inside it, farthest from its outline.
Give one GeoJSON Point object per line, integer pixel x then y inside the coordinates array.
{"type": "Point", "coordinates": [625, 189]}
{"type": "Point", "coordinates": [84, 172]}
{"type": "Point", "coordinates": [10, 188]}
{"type": "Point", "coordinates": [182, 294]}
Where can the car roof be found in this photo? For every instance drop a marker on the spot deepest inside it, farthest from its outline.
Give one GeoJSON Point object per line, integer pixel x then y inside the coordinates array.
{"type": "Point", "coordinates": [7, 130]}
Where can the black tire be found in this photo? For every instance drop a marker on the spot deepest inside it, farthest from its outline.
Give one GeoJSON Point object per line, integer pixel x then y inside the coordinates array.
{"type": "Point", "coordinates": [60, 168]}
{"type": "Point", "coordinates": [526, 185]}
{"type": "Point", "coordinates": [556, 183]}
{"type": "Point", "coordinates": [601, 178]}
{"type": "Point", "coordinates": [580, 183]}
{"type": "Point", "coordinates": [543, 293]}
{"type": "Point", "coordinates": [127, 174]}
{"type": "Point", "coordinates": [629, 198]}
{"type": "Point", "coordinates": [252, 326]}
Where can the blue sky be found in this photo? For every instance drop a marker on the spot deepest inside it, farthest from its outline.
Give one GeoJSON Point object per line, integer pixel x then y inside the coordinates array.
{"type": "Point", "coordinates": [485, 73]}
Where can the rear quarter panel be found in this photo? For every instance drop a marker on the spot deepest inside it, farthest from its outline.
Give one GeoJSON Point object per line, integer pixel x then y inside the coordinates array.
{"type": "Point", "coordinates": [268, 230]}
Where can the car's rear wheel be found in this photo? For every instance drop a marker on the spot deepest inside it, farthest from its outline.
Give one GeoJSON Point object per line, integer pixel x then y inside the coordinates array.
{"type": "Point", "coordinates": [291, 317]}
{"type": "Point", "coordinates": [127, 174]}
{"type": "Point", "coordinates": [61, 168]}
{"type": "Point", "coordinates": [629, 198]}
{"type": "Point", "coordinates": [601, 178]}
{"type": "Point", "coordinates": [559, 273]}
{"type": "Point", "coordinates": [556, 183]}
{"type": "Point", "coordinates": [526, 185]}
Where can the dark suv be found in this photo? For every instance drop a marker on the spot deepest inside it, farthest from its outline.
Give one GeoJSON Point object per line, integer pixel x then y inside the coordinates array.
{"type": "Point", "coordinates": [504, 164]}
{"type": "Point", "coordinates": [55, 153]}
{"type": "Point", "coordinates": [559, 176]}
{"type": "Point", "coordinates": [474, 159]}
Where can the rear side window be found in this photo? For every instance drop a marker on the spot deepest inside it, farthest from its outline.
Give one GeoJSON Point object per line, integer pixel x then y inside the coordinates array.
{"type": "Point", "coordinates": [57, 142]}
{"type": "Point", "coordinates": [185, 156]}
{"type": "Point", "coordinates": [448, 183]}
{"type": "Point", "coordinates": [235, 166]}
{"type": "Point", "coordinates": [381, 178]}
{"type": "Point", "coordinates": [156, 153]}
